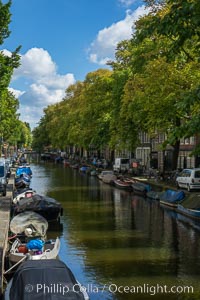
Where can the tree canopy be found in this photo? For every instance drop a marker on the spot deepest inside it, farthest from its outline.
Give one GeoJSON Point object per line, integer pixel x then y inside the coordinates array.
{"type": "Point", "coordinates": [153, 86]}
{"type": "Point", "coordinates": [9, 104]}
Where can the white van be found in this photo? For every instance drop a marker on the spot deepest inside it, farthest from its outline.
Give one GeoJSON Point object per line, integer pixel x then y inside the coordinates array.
{"type": "Point", "coordinates": [189, 179]}
{"type": "Point", "coordinates": [121, 164]}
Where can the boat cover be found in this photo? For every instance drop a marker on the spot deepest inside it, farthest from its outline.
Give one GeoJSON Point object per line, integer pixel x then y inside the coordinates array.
{"type": "Point", "coordinates": [24, 170]}
{"type": "Point", "coordinates": [154, 195]}
{"type": "Point", "coordinates": [29, 219]}
{"type": "Point", "coordinates": [37, 203]}
{"type": "Point", "coordinates": [192, 201]}
{"type": "Point", "coordinates": [142, 187]}
{"type": "Point", "coordinates": [172, 196]}
{"type": "Point", "coordinates": [37, 198]}
{"type": "Point", "coordinates": [44, 280]}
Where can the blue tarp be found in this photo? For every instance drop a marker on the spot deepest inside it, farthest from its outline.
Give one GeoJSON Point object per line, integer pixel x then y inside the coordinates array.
{"type": "Point", "coordinates": [35, 244]}
{"type": "Point", "coordinates": [172, 196]}
{"type": "Point", "coordinates": [23, 170]}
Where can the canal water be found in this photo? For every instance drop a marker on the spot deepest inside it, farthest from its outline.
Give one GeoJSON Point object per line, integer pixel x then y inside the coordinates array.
{"type": "Point", "coordinates": [119, 245]}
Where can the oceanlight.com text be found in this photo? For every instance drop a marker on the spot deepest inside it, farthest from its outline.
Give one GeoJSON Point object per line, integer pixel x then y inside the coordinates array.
{"type": "Point", "coordinates": [149, 289]}
{"type": "Point", "coordinates": [62, 288]}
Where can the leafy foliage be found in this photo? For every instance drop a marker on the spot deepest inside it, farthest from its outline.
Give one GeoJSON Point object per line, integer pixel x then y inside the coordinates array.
{"type": "Point", "coordinates": [8, 102]}
{"type": "Point", "coordinates": [4, 20]}
{"type": "Point", "coordinates": [154, 87]}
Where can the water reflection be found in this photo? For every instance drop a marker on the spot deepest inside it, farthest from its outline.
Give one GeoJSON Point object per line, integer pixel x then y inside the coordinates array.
{"type": "Point", "coordinates": [112, 238]}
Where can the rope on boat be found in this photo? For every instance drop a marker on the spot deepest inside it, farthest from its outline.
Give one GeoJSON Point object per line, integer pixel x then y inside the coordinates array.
{"type": "Point", "coordinates": [12, 237]}
{"type": "Point", "coordinates": [22, 259]}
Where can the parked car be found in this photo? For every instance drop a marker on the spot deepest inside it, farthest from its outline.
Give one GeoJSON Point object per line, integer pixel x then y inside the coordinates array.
{"type": "Point", "coordinates": [189, 179]}
{"type": "Point", "coordinates": [3, 177]}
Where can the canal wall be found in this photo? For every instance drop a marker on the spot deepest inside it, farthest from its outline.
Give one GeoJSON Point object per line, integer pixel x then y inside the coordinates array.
{"type": "Point", "coordinates": [5, 207]}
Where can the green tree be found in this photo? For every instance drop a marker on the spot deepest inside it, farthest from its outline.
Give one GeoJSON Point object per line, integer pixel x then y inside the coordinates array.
{"type": "Point", "coordinates": [40, 136]}
{"type": "Point", "coordinates": [179, 21]}
{"type": "Point", "coordinates": [156, 101]}
{"type": "Point", "coordinates": [121, 73]}
{"type": "Point", "coordinates": [72, 115]}
{"type": "Point", "coordinates": [162, 89]}
{"type": "Point", "coordinates": [83, 117]}
{"type": "Point", "coordinates": [5, 16]}
{"type": "Point", "coordinates": [95, 119]}
{"type": "Point", "coordinates": [8, 103]}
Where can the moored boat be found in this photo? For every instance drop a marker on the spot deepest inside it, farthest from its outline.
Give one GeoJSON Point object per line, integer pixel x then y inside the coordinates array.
{"type": "Point", "coordinates": [171, 197]}
{"type": "Point", "coordinates": [141, 188]}
{"type": "Point", "coordinates": [153, 195]}
{"type": "Point", "coordinates": [83, 168]}
{"type": "Point", "coordinates": [74, 166]}
{"type": "Point", "coordinates": [93, 172]}
{"type": "Point", "coordinates": [190, 206]}
{"type": "Point", "coordinates": [66, 163]}
{"type": "Point", "coordinates": [35, 249]}
{"type": "Point", "coordinates": [27, 193]}
{"type": "Point", "coordinates": [192, 213]}
{"type": "Point", "coordinates": [29, 240]}
{"type": "Point", "coordinates": [48, 207]}
{"type": "Point", "coordinates": [44, 280]}
{"type": "Point", "coordinates": [24, 169]}
{"type": "Point", "coordinates": [109, 178]}
{"type": "Point", "coordinates": [123, 185]}
{"type": "Point", "coordinates": [23, 181]}
{"type": "Point", "coordinates": [105, 173]}
{"type": "Point", "coordinates": [29, 219]}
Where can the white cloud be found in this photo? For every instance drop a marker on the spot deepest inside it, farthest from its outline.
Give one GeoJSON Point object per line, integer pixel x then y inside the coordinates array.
{"type": "Point", "coordinates": [16, 93]}
{"type": "Point", "coordinates": [44, 86]}
{"type": "Point", "coordinates": [41, 95]}
{"type": "Point", "coordinates": [6, 52]}
{"type": "Point", "coordinates": [127, 2]}
{"type": "Point", "coordinates": [30, 114]}
{"type": "Point", "coordinates": [35, 63]}
{"type": "Point", "coordinates": [103, 47]}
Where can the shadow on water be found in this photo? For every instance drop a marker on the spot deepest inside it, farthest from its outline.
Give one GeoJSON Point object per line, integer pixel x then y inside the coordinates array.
{"type": "Point", "coordinates": [119, 245]}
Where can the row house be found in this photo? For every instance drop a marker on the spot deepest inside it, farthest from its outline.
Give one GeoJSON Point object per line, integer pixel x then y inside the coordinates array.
{"type": "Point", "coordinates": [151, 155]}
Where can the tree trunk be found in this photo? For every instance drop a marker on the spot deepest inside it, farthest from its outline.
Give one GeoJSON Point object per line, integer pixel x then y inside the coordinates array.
{"type": "Point", "coordinates": [112, 155]}
{"type": "Point", "coordinates": [176, 147]}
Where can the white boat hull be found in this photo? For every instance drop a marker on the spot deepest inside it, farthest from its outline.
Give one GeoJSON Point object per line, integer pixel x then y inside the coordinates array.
{"type": "Point", "coordinates": [50, 251]}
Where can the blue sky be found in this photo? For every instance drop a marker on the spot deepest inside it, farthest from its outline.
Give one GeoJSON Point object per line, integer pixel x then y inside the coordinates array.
{"type": "Point", "coordinates": [61, 41]}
